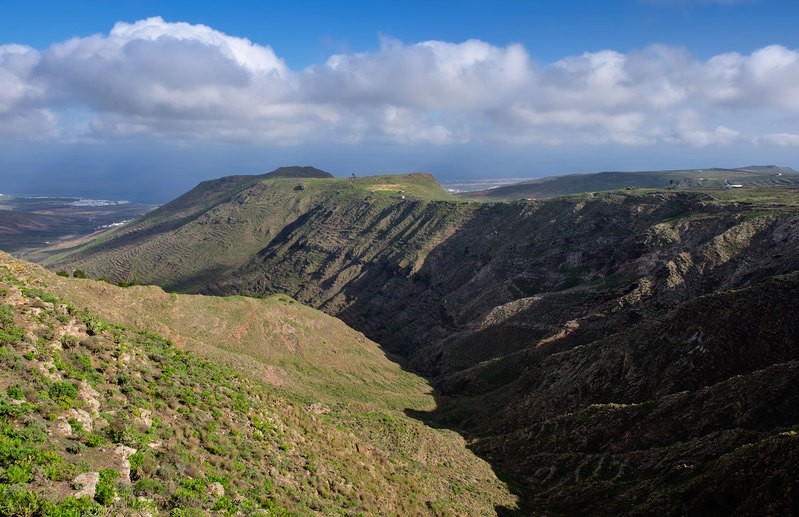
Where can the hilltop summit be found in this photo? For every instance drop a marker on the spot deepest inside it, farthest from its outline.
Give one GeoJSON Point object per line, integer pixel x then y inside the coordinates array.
{"type": "Point", "coordinates": [296, 171]}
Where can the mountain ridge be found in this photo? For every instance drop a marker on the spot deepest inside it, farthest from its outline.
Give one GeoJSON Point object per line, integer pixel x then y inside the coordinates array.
{"type": "Point", "coordinates": [710, 179]}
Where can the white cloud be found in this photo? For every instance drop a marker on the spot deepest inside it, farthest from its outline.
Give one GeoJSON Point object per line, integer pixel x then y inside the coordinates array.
{"type": "Point", "coordinates": [156, 68]}
{"type": "Point", "coordinates": [189, 82]}
{"type": "Point", "coordinates": [766, 78]}
{"type": "Point", "coordinates": [16, 63]}
{"type": "Point", "coordinates": [428, 75]}
{"type": "Point", "coordinates": [782, 139]}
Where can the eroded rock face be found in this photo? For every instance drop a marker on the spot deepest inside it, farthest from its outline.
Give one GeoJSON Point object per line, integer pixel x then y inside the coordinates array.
{"type": "Point", "coordinates": [596, 261]}
{"type": "Point", "coordinates": [82, 417]}
{"type": "Point", "coordinates": [123, 453]}
{"type": "Point", "coordinates": [216, 490]}
{"type": "Point", "coordinates": [90, 397]}
{"type": "Point", "coordinates": [87, 483]}
{"type": "Point", "coordinates": [61, 429]}
{"type": "Point", "coordinates": [144, 418]}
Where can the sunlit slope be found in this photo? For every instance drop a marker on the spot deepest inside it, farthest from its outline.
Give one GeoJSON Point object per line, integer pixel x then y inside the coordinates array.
{"type": "Point", "coordinates": [220, 225]}
{"type": "Point", "coordinates": [275, 339]}
{"type": "Point", "coordinates": [243, 415]}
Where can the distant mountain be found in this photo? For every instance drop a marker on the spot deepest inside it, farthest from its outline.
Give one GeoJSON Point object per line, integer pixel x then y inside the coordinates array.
{"type": "Point", "coordinates": [692, 179]}
{"type": "Point", "coordinates": [624, 352]}
{"type": "Point", "coordinates": [297, 172]}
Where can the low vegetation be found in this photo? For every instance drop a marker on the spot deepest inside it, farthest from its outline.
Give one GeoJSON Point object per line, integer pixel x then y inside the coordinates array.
{"type": "Point", "coordinates": [99, 418]}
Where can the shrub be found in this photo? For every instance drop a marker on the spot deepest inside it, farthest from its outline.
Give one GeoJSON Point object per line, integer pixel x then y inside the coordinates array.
{"type": "Point", "coordinates": [15, 392]}
{"type": "Point", "coordinates": [148, 487]}
{"type": "Point", "coordinates": [9, 333]}
{"type": "Point", "coordinates": [18, 473]}
{"type": "Point", "coordinates": [15, 501]}
{"type": "Point", "coordinates": [72, 507]}
{"type": "Point", "coordinates": [105, 487]}
{"type": "Point", "coordinates": [63, 392]}
{"type": "Point", "coordinates": [79, 273]}
{"type": "Point", "coordinates": [56, 468]}
{"type": "Point", "coordinates": [93, 325]}
{"type": "Point", "coordinates": [95, 440]}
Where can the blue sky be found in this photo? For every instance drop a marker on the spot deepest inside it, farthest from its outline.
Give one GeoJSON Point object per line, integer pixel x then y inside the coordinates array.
{"type": "Point", "coordinates": [143, 99]}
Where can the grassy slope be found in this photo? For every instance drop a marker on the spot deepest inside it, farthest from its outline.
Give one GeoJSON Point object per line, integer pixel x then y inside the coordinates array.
{"type": "Point", "coordinates": [752, 177]}
{"type": "Point", "coordinates": [295, 446]}
{"type": "Point", "coordinates": [220, 225]}
{"type": "Point", "coordinates": [289, 345]}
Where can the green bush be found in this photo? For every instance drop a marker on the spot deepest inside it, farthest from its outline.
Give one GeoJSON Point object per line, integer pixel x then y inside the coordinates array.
{"type": "Point", "coordinates": [63, 392]}
{"type": "Point", "coordinates": [17, 501]}
{"type": "Point", "coordinates": [93, 325]}
{"type": "Point", "coordinates": [105, 487]}
{"type": "Point", "coordinates": [56, 468]}
{"type": "Point", "coordinates": [79, 273]}
{"type": "Point", "coordinates": [72, 507]}
{"type": "Point", "coordinates": [15, 392]}
{"type": "Point", "coordinates": [9, 333]}
{"type": "Point", "coordinates": [148, 487]}
{"type": "Point", "coordinates": [18, 474]}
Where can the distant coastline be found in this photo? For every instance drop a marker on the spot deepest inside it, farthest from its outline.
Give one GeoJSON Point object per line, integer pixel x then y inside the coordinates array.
{"type": "Point", "coordinates": [473, 185]}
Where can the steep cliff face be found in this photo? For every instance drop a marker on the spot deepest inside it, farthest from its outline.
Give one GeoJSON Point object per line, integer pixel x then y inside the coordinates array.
{"type": "Point", "coordinates": [609, 352]}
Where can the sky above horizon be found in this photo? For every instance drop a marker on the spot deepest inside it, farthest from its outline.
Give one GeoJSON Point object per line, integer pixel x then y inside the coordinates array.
{"type": "Point", "coordinates": [142, 99]}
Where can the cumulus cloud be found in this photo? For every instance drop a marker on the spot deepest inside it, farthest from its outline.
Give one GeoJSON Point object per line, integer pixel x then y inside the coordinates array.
{"type": "Point", "coordinates": [165, 70]}
{"type": "Point", "coordinates": [782, 139]}
{"type": "Point", "coordinates": [428, 75]}
{"type": "Point", "coordinates": [189, 82]}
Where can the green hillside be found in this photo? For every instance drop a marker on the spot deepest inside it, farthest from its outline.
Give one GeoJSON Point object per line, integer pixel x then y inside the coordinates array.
{"type": "Point", "coordinates": [221, 224]}
{"type": "Point", "coordinates": [752, 177]}
{"type": "Point", "coordinates": [622, 352]}
{"type": "Point", "coordinates": [230, 416]}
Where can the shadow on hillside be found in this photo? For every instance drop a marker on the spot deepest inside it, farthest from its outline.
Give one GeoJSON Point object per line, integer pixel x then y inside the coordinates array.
{"type": "Point", "coordinates": [503, 253]}
{"type": "Point", "coordinates": [436, 420]}
{"type": "Point", "coordinates": [405, 312]}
